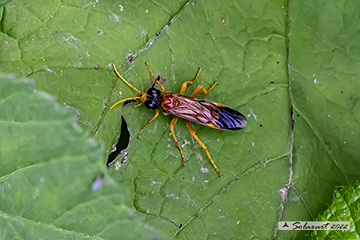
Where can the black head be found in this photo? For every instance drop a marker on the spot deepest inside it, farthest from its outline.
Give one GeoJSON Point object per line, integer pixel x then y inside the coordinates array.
{"type": "Point", "coordinates": [153, 98]}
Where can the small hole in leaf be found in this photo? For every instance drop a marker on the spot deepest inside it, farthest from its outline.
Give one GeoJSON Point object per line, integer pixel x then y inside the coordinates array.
{"type": "Point", "coordinates": [122, 143]}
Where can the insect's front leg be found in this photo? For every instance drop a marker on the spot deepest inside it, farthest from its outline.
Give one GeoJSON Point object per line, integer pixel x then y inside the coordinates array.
{"type": "Point", "coordinates": [154, 78]}
{"type": "Point", "coordinates": [142, 128]}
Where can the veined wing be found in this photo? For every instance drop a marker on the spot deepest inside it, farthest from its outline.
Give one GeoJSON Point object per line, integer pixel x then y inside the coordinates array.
{"type": "Point", "coordinates": [202, 111]}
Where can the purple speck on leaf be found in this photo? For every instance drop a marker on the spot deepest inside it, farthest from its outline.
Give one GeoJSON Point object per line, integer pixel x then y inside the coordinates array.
{"type": "Point", "coordinates": [97, 183]}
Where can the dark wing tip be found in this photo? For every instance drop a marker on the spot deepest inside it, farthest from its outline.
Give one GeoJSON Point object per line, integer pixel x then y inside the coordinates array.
{"type": "Point", "coordinates": [230, 119]}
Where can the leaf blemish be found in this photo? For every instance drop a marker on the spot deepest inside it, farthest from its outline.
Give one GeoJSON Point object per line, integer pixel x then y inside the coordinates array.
{"type": "Point", "coordinates": [252, 113]}
{"type": "Point", "coordinates": [115, 17]}
{"type": "Point", "coordinates": [97, 183]}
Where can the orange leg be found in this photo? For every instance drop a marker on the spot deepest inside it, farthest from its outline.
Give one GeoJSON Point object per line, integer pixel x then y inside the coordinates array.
{"type": "Point", "coordinates": [172, 124]}
{"type": "Point", "coordinates": [184, 85]}
{"type": "Point", "coordinates": [142, 128]}
{"type": "Point", "coordinates": [155, 79]}
{"type": "Point", "coordinates": [192, 132]}
{"type": "Point", "coordinates": [201, 87]}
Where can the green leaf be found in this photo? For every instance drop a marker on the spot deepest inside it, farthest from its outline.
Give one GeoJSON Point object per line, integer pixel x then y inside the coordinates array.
{"type": "Point", "coordinates": [4, 2]}
{"type": "Point", "coordinates": [345, 208]}
{"type": "Point", "coordinates": [48, 166]}
{"type": "Point", "coordinates": [282, 64]}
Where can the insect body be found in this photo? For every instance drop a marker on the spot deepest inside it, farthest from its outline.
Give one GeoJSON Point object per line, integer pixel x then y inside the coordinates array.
{"type": "Point", "coordinates": [211, 114]}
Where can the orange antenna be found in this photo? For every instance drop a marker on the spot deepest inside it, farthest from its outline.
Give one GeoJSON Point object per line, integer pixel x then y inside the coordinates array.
{"type": "Point", "coordinates": [127, 99]}
{"type": "Point", "coordinates": [126, 82]}
{"type": "Point", "coordinates": [142, 97]}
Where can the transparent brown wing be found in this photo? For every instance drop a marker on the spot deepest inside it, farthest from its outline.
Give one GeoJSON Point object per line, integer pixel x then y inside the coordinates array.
{"type": "Point", "coordinates": [202, 111]}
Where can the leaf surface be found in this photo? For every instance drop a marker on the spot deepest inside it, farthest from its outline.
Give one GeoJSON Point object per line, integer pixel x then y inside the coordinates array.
{"type": "Point", "coordinates": [344, 208]}
{"type": "Point", "coordinates": [290, 72]}
{"type": "Point", "coordinates": [48, 167]}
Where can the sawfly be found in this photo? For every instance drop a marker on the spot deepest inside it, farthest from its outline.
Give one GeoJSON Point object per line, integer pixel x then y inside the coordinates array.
{"type": "Point", "coordinates": [202, 111]}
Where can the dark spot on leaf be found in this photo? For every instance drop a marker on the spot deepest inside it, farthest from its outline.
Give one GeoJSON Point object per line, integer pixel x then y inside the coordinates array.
{"type": "Point", "coordinates": [271, 82]}
{"type": "Point", "coordinates": [342, 92]}
{"type": "Point", "coordinates": [180, 225]}
{"type": "Point", "coordinates": [56, 31]}
{"type": "Point", "coordinates": [97, 66]}
{"type": "Point", "coordinates": [196, 215]}
{"type": "Point", "coordinates": [277, 62]}
{"type": "Point", "coordinates": [183, 177]}
{"type": "Point", "coordinates": [260, 125]}
{"type": "Point", "coordinates": [122, 143]}
{"type": "Point", "coordinates": [297, 115]}
{"type": "Point", "coordinates": [99, 31]}
{"type": "Point", "coordinates": [236, 178]}
{"type": "Point", "coordinates": [33, 59]}
{"type": "Point", "coordinates": [158, 33]}
{"type": "Point", "coordinates": [130, 58]}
